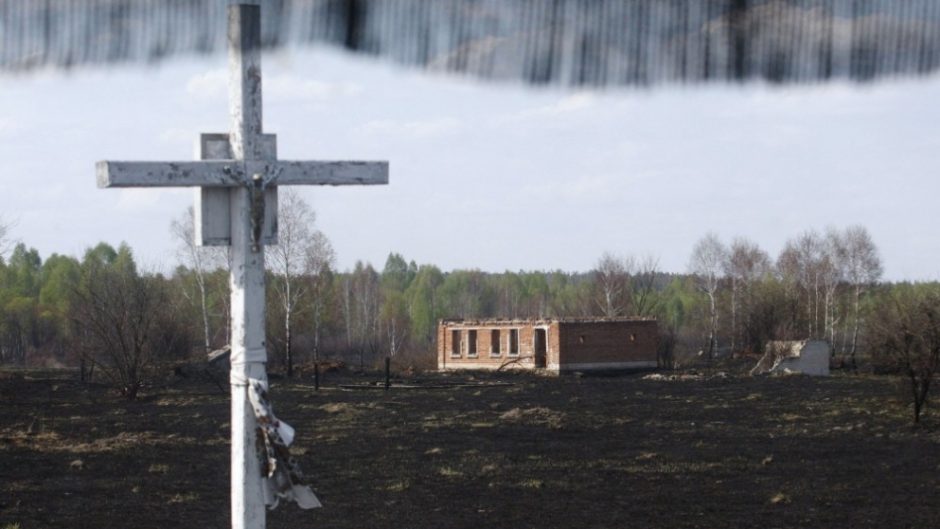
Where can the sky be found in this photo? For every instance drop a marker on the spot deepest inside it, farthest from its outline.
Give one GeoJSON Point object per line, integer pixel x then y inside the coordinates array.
{"type": "Point", "coordinates": [494, 176]}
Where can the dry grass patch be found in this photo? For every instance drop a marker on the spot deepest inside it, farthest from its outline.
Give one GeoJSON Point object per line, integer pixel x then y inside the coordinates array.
{"type": "Point", "coordinates": [158, 468]}
{"type": "Point", "coordinates": [531, 484]}
{"type": "Point", "coordinates": [334, 408]}
{"type": "Point", "coordinates": [398, 486]}
{"type": "Point", "coordinates": [536, 416]}
{"type": "Point", "coordinates": [188, 497]}
{"type": "Point", "coordinates": [449, 472]}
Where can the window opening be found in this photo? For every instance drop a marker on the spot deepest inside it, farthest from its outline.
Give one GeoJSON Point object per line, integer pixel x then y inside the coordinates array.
{"type": "Point", "coordinates": [472, 343]}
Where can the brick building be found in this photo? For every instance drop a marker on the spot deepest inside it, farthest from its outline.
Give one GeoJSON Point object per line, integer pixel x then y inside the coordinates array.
{"type": "Point", "coordinates": [557, 344]}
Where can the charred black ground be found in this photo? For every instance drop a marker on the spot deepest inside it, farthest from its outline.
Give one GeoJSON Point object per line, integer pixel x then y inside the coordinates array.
{"type": "Point", "coordinates": [538, 452]}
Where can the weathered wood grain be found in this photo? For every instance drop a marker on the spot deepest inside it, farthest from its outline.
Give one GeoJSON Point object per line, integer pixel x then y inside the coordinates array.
{"type": "Point", "coordinates": [232, 173]}
{"type": "Point", "coordinates": [170, 174]}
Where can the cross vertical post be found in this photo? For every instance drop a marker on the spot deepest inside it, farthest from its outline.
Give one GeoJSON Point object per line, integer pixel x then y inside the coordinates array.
{"type": "Point", "coordinates": [249, 354]}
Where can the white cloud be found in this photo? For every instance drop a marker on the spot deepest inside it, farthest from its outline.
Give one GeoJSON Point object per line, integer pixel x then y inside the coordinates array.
{"type": "Point", "coordinates": [289, 87]}
{"type": "Point", "coordinates": [415, 130]}
{"type": "Point", "coordinates": [568, 105]}
{"type": "Point", "coordinates": [208, 85]}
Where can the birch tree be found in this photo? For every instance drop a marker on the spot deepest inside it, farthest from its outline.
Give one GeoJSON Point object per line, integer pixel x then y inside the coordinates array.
{"type": "Point", "coordinates": [746, 263]}
{"type": "Point", "coordinates": [201, 260]}
{"type": "Point", "coordinates": [810, 247]}
{"type": "Point", "coordinates": [788, 271]}
{"type": "Point", "coordinates": [286, 260]}
{"type": "Point", "coordinates": [707, 264]}
{"type": "Point", "coordinates": [833, 275]}
{"type": "Point", "coordinates": [318, 265]}
{"type": "Point", "coordinates": [800, 265]}
{"type": "Point", "coordinates": [862, 269]}
{"type": "Point", "coordinates": [361, 303]}
{"type": "Point", "coordinates": [394, 319]}
{"type": "Point", "coordinates": [612, 279]}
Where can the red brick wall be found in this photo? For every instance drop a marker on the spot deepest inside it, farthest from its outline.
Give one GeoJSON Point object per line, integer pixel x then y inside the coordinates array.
{"type": "Point", "coordinates": [485, 358]}
{"type": "Point", "coordinates": [605, 344]}
{"type": "Point", "coordinates": [610, 342]}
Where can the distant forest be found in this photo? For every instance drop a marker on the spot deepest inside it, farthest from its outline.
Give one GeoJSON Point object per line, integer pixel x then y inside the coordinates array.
{"type": "Point", "coordinates": [733, 298]}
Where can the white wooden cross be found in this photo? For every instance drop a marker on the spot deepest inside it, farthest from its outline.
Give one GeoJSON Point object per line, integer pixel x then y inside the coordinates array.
{"type": "Point", "coordinates": [236, 179]}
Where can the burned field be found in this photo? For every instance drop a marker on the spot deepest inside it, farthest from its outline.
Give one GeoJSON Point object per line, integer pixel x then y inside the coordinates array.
{"type": "Point", "coordinates": [535, 452]}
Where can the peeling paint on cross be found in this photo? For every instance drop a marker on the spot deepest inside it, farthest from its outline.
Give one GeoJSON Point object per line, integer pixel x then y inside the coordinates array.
{"type": "Point", "coordinates": [236, 181]}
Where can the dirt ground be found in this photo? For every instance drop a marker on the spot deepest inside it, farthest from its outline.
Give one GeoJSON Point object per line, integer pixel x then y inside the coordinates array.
{"type": "Point", "coordinates": [564, 452]}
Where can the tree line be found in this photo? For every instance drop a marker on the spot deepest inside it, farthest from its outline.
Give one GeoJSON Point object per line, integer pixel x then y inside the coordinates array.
{"type": "Point", "coordinates": [102, 311]}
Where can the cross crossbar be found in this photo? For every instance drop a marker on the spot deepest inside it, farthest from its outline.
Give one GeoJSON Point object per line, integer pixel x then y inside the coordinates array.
{"type": "Point", "coordinates": [234, 173]}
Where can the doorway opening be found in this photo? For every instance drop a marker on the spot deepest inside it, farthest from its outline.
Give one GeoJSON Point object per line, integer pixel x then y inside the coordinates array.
{"type": "Point", "coordinates": [540, 348]}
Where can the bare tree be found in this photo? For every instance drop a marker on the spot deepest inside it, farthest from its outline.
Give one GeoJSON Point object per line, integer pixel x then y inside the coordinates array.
{"type": "Point", "coordinates": [347, 286]}
{"type": "Point", "coordinates": [801, 266]}
{"type": "Point", "coordinates": [707, 264]}
{"type": "Point", "coordinates": [287, 259]}
{"type": "Point", "coordinates": [123, 316]}
{"type": "Point", "coordinates": [202, 260]}
{"type": "Point", "coordinates": [788, 271]}
{"type": "Point", "coordinates": [643, 298]}
{"type": "Point", "coordinates": [746, 263]}
{"type": "Point", "coordinates": [362, 306]}
{"type": "Point", "coordinates": [6, 243]}
{"type": "Point", "coordinates": [906, 336]}
{"type": "Point", "coordinates": [318, 265]}
{"type": "Point", "coordinates": [862, 269]}
{"type": "Point", "coordinates": [810, 246]}
{"type": "Point", "coordinates": [394, 318]}
{"type": "Point", "coordinates": [612, 278]}
{"type": "Point", "coordinates": [833, 274]}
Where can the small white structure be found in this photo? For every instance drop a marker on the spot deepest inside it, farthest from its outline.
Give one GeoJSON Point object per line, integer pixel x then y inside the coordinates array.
{"type": "Point", "coordinates": [807, 357]}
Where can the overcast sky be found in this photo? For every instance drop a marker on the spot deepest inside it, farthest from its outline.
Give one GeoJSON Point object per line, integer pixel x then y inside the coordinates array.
{"type": "Point", "coordinates": [490, 176]}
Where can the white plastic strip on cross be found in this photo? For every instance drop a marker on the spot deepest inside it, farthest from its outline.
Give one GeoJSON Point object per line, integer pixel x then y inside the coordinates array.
{"type": "Point", "coordinates": [283, 478]}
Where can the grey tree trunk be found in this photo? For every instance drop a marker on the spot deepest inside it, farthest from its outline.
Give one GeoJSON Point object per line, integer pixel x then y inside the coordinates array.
{"type": "Point", "coordinates": [288, 351]}
{"type": "Point", "coordinates": [713, 336]}
{"type": "Point", "coordinates": [858, 295]}
{"type": "Point", "coordinates": [205, 312]}
{"type": "Point", "coordinates": [734, 311]}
